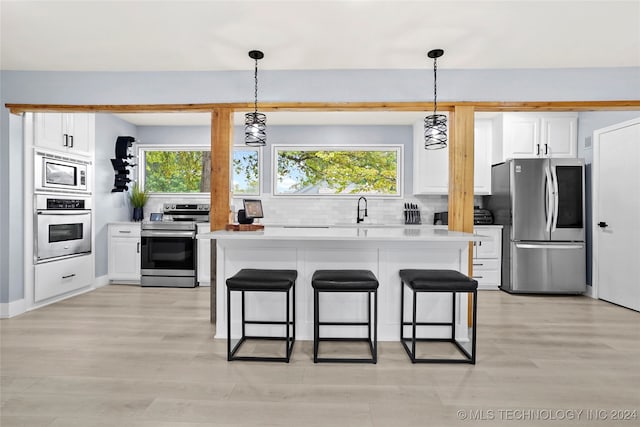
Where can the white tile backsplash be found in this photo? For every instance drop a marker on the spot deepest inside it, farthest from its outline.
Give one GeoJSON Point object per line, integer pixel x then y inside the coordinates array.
{"type": "Point", "coordinates": [324, 211]}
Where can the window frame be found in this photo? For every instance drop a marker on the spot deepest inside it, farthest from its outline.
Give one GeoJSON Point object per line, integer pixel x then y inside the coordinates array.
{"type": "Point", "coordinates": [141, 166]}
{"type": "Point", "coordinates": [399, 148]}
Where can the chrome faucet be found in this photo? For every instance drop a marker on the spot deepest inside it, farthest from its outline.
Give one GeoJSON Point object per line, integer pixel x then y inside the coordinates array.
{"type": "Point", "coordinates": [359, 219]}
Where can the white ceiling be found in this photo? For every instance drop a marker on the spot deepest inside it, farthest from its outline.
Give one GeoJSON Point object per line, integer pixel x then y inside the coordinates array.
{"type": "Point", "coordinates": [210, 35]}
{"type": "Point", "coordinates": [316, 34]}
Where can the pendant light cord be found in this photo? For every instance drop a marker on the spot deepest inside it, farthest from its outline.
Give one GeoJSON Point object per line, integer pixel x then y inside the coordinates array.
{"type": "Point", "coordinates": [255, 93]}
{"type": "Point", "coordinates": [435, 85]}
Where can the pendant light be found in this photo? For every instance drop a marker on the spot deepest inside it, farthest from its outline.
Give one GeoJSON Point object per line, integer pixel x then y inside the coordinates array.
{"type": "Point", "coordinates": [255, 124]}
{"type": "Point", "coordinates": [435, 126]}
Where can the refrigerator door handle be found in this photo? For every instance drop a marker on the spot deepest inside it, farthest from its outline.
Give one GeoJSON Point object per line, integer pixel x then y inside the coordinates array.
{"type": "Point", "coordinates": [554, 176]}
{"type": "Point", "coordinates": [550, 246]}
{"type": "Point", "coordinates": [550, 199]}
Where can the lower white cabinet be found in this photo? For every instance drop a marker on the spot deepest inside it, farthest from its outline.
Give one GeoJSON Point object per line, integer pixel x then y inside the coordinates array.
{"type": "Point", "coordinates": [60, 277]}
{"type": "Point", "coordinates": [204, 257]}
{"type": "Point", "coordinates": [124, 253]}
{"type": "Point", "coordinates": [487, 257]}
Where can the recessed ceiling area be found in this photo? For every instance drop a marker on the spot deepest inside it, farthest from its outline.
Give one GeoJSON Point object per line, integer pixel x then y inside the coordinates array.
{"type": "Point", "coordinates": [317, 35]}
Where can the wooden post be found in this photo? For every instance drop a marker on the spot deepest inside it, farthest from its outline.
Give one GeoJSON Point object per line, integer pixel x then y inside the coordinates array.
{"type": "Point", "coordinates": [221, 146]}
{"type": "Point", "coordinates": [461, 159]}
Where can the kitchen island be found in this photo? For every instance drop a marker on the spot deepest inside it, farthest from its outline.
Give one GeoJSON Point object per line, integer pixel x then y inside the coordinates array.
{"type": "Point", "coordinates": [383, 250]}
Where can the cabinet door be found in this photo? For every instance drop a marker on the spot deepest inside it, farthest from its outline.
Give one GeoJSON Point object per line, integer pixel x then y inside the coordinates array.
{"type": "Point", "coordinates": [559, 136]}
{"type": "Point", "coordinates": [488, 248]}
{"type": "Point", "coordinates": [430, 167]}
{"type": "Point", "coordinates": [49, 130]}
{"type": "Point", "coordinates": [522, 136]}
{"type": "Point", "coordinates": [124, 258]}
{"type": "Point", "coordinates": [483, 134]}
{"type": "Point", "coordinates": [81, 127]}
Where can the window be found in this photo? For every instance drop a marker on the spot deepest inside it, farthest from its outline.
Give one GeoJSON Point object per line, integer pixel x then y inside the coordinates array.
{"type": "Point", "coordinates": [245, 171]}
{"type": "Point", "coordinates": [187, 170]}
{"type": "Point", "coordinates": [369, 170]}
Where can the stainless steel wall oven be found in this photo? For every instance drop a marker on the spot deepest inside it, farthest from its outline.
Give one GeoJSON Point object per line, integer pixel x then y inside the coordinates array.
{"type": "Point", "coordinates": [62, 225]}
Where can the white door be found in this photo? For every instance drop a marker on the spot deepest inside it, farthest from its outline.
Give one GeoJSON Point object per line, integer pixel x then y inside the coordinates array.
{"type": "Point", "coordinates": [616, 203]}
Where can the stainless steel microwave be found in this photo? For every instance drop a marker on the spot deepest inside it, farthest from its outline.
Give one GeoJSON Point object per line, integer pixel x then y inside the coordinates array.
{"type": "Point", "coordinates": [61, 173]}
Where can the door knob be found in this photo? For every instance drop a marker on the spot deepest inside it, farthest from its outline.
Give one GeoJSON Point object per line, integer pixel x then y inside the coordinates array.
{"type": "Point", "coordinates": [602, 224]}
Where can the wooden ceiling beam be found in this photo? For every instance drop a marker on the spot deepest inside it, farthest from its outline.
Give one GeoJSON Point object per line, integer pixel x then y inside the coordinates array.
{"type": "Point", "coordinates": [617, 105]}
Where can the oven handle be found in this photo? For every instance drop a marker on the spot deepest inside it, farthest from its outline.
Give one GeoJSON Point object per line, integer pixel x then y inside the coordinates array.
{"type": "Point", "coordinates": [62, 212]}
{"type": "Point", "coordinates": [149, 233]}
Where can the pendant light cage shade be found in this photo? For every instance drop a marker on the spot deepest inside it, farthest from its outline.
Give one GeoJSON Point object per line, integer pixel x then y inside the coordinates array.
{"type": "Point", "coordinates": [255, 124]}
{"type": "Point", "coordinates": [435, 125]}
{"type": "Point", "coordinates": [255, 129]}
{"type": "Point", "coordinates": [435, 132]}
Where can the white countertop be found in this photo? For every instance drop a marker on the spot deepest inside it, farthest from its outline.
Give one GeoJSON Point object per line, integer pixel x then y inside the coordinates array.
{"type": "Point", "coordinates": [409, 233]}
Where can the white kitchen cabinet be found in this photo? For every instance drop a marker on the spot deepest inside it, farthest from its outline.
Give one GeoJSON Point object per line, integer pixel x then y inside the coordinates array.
{"type": "Point", "coordinates": [56, 278]}
{"type": "Point", "coordinates": [204, 257]}
{"type": "Point", "coordinates": [529, 135]}
{"type": "Point", "coordinates": [487, 257]}
{"type": "Point", "coordinates": [68, 132]}
{"type": "Point", "coordinates": [124, 253]}
{"type": "Point", "coordinates": [431, 167]}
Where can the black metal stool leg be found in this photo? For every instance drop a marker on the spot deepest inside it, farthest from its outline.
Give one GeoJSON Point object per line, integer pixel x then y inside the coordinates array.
{"type": "Point", "coordinates": [228, 324]}
{"type": "Point", "coordinates": [316, 326]}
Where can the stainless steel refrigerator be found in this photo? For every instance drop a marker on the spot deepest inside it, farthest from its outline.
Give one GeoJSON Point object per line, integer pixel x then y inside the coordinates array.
{"type": "Point", "coordinates": [540, 203]}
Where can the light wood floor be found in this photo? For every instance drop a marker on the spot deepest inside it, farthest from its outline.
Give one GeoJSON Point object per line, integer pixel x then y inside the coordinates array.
{"type": "Point", "coordinates": [130, 356]}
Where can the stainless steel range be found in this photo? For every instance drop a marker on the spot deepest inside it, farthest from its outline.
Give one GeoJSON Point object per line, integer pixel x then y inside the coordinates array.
{"type": "Point", "coordinates": [168, 250]}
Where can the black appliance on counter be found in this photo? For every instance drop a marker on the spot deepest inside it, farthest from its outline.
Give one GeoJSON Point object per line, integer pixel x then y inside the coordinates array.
{"type": "Point", "coordinates": [480, 217]}
{"type": "Point", "coordinates": [168, 247]}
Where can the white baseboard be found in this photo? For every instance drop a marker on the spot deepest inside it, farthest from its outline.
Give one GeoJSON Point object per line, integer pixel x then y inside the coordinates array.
{"type": "Point", "coordinates": [13, 308]}
{"type": "Point", "coordinates": [589, 292]}
{"type": "Point", "coordinates": [101, 281]}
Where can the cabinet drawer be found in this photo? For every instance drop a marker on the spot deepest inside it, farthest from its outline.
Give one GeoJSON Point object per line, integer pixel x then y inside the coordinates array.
{"type": "Point", "coordinates": [486, 264]}
{"type": "Point", "coordinates": [487, 277]}
{"type": "Point", "coordinates": [124, 230]}
{"type": "Point", "coordinates": [59, 277]}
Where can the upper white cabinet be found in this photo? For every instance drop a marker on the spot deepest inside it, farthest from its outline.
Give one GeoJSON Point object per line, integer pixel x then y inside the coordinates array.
{"type": "Point", "coordinates": [431, 167]}
{"type": "Point", "coordinates": [539, 135]}
{"type": "Point", "coordinates": [70, 132]}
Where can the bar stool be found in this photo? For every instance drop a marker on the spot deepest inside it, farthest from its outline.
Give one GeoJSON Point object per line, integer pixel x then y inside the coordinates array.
{"type": "Point", "coordinates": [448, 281]}
{"type": "Point", "coordinates": [346, 281]}
{"type": "Point", "coordinates": [255, 280]}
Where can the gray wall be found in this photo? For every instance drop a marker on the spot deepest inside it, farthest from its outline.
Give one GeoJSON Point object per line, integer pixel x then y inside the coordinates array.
{"type": "Point", "coordinates": [109, 207]}
{"type": "Point", "coordinates": [41, 87]}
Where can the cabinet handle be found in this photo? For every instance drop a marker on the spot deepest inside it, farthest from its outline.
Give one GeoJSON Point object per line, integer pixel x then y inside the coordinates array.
{"type": "Point", "coordinates": [537, 149]}
{"type": "Point", "coordinates": [71, 141]}
{"type": "Point", "coordinates": [66, 140]}
{"type": "Point", "coordinates": [138, 247]}
{"type": "Point", "coordinates": [478, 264]}
{"type": "Point", "coordinates": [546, 148]}
{"type": "Point", "coordinates": [478, 277]}
{"type": "Point", "coordinates": [68, 276]}
{"type": "Point", "coordinates": [125, 231]}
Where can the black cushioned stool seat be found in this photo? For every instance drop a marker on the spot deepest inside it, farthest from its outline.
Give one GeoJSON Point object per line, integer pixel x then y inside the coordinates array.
{"type": "Point", "coordinates": [448, 281]}
{"type": "Point", "coordinates": [259, 280]}
{"type": "Point", "coordinates": [352, 281]}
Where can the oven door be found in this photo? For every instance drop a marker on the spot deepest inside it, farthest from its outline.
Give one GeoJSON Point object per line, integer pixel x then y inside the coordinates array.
{"type": "Point", "coordinates": [62, 233]}
{"type": "Point", "coordinates": [168, 253]}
